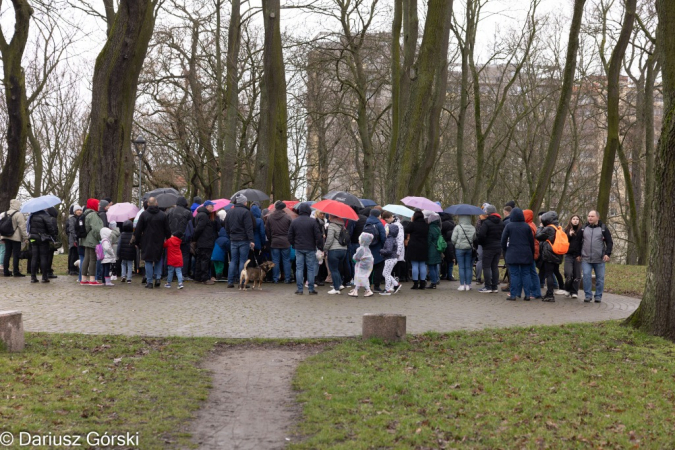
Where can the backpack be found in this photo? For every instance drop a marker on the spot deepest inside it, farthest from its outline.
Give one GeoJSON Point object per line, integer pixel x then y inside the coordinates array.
{"type": "Point", "coordinates": [6, 226]}
{"type": "Point", "coordinates": [343, 237]}
{"type": "Point", "coordinates": [372, 229]}
{"type": "Point", "coordinates": [561, 244]}
{"type": "Point", "coordinates": [441, 244]}
{"type": "Point", "coordinates": [100, 253]}
{"type": "Point", "coordinates": [80, 229]}
{"type": "Point", "coordinates": [189, 231]}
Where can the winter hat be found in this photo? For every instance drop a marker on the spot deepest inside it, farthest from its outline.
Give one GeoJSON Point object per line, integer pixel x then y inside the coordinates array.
{"type": "Point", "coordinates": [92, 204]}
{"type": "Point", "coordinates": [433, 217]}
{"type": "Point", "coordinates": [240, 199]}
{"type": "Point", "coordinates": [197, 199]}
{"type": "Point", "coordinates": [279, 205]}
{"type": "Point", "coordinates": [511, 203]}
{"type": "Point", "coordinates": [178, 234]}
{"type": "Point", "coordinates": [375, 212]}
{"type": "Point", "coordinates": [102, 204]}
{"type": "Point", "coordinates": [76, 207]}
{"type": "Point", "coordinates": [209, 203]}
{"type": "Point", "coordinates": [484, 205]}
{"type": "Point", "coordinates": [490, 209]}
{"type": "Point", "coordinates": [221, 214]}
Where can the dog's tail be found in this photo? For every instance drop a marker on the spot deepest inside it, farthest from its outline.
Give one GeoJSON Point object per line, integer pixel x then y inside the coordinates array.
{"type": "Point", "coordinates": [246, 263]}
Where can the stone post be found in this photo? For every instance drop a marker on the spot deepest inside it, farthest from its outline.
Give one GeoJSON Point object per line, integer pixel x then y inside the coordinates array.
{"type": "Point", "coordinates": [11, 330]}
{"type": "Point", "coordinates": [390, 327]}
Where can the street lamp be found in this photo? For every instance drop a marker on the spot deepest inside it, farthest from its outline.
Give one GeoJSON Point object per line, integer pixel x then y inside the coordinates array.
{"type": "Point", "coordinates": [139, 146]}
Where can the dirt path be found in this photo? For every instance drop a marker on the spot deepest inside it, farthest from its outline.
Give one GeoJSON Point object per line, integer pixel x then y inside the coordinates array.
{"type": "Point", "coordinates": [251, 404]}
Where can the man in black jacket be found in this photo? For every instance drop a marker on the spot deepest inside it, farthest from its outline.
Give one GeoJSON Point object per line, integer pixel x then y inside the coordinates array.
{"type": "Point", "coordinates": [490, 237]}
{"type": "Point", "coordinates": [205, 237]}
{"type": "Point", "coordinates": [179, 216]}
{"type": "Point", "coordinates": [239, 226]}
{"type": "Point", "coordinates": [306, 237]}
{"type": "Point", "coordinates": [42, 232]}
{"type": "Point", "coordinates": [151, 232]}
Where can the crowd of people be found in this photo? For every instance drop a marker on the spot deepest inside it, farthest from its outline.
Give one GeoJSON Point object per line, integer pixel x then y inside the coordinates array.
{"type": "Point", "coordinates": [375, 254]}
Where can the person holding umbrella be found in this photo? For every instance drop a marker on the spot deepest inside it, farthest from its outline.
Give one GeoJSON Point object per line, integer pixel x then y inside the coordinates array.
{"type": "Point", "coordinates": [14, 239]}
{"type": "Point", "coordinates": [42, 232]}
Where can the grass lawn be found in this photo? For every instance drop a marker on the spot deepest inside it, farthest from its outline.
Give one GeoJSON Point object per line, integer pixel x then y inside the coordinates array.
{"type": "Point", "coordinates": [575, 386]}
{"type": "Point", "coordinates": [76, 384]}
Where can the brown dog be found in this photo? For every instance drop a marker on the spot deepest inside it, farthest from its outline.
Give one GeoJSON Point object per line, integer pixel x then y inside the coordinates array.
{"type": "Point", "coordinates": [254, 274]}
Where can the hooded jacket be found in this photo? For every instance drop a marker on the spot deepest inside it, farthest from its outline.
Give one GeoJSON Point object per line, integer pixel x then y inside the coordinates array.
{"type": "Point", "coordinates": [18, 222]}
{"type": "Point", "coordinates": [42, 226]}
{"type": "Point", "coordinates": [517, 237]}
{"type": "Point", "coordinates": [174, 257]}
{"type": "Point", "coordinates": [239, 224]}
{"type": "Point", "coordinates": [490, 232]}
{"type": "Point", "coordinates": [333, 231]}
{"type": "Point", "coordinates": [70, 227]}
{"type": "Point", "coordinates": [205, 229]}
{"type": "Point", "coordinates": [125, 250]}
{"type": "Point", "coordinates": [179, 216]}
{"type": "Point", "coordinates": [151, 231]}
{"type": "Point", "coordinates": [101, 212]}
{"type": "Point", "coordinates": [375, 248]}
{"type": "Point", "coordinates": [92, 224]}
{"type": "Point", "coordinates": [108, 240]}
{"type": "Point", "coordinates": [390, 247]}
{"type": "Point", "coordinates": [529, 220]}
{"type": "Point", "coordinates": [418, 245]}
{"type": "Point", "coordinates": [259, 230]}
{"type": "Point", "coordinates": [304, 233]}
{"type": "Point", "coordinates": [433, 255]}
{"type": "Point", "coordinates": [464, 233]}
{"type": "Point", "coordinates": [356, 228]}
{"type": "Point", "coordinates": [276, 228]}
{"type": "Point", "coordinates": [222, 246]}
{"type": "Point", "coordinates": [547, 233]}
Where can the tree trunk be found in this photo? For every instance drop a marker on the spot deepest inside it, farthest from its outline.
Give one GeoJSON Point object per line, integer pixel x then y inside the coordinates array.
{"type": "Point", "coordinates": [227, 187]}
{"type": "Point", "coordinates": [395, 90]}
{"type": "Point", "coordinates": [656, 313]}
{"type": "Point", "coordinates": [14, 83]}
{"type": "Point", "coordinates": [422, 77]}
{"type": "Point", "coordinates": [107, 164]}
{"type": "Point", "coordinates": [544, 179]}
{"type": "Point", "coordinates": [272, 149]}
{"type": "Point", "coordinates": [613, 142]}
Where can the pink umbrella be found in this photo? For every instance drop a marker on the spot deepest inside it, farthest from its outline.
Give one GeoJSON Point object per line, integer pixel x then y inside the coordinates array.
{"type": "Point", "coordinates": [421, 203]}
{"type": "Point", "coordinates": [220, 204]}
{"type": "Point", "coordinates": [119, 212]}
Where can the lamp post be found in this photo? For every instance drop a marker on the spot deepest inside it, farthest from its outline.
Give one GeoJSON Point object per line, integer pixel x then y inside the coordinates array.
{"type": "Point", "coordinates": [139, 146]}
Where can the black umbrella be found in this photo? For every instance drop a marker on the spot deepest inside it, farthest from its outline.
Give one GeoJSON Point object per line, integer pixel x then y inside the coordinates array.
{"type": "Point", "coordinates": [167, 200]}
{"type": "Point", "coordinates": [344, 197]}
{"type": "Point", "coordinates": [252, 195]}
{"type": "Point", "coordinates": [158, 191]}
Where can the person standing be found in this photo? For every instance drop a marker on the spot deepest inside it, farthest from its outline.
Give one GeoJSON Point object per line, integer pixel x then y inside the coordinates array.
{"type": "Point", "coordinates": [179, 216]}
{"type": "Point", "coordinates": [462, 237]}
{"type": "Point", "coordinates": [109, 237]}
{"type": "Point", "coordinates": [535, 284]}
{"type": "Point", "coordinates": [572, 264]}
{"type": "Point", "coordinates": [418, 249]}
{"type": "Point", "coordinates": [434, 256]}
{"type": "Point", "coordinates": [126, 252]}
{"type": "Point", "coordinates": [596, 249]}
{"type": "Point", "coordinates": [547, 236]}
{"type": "Point", "coordinates": [374, 226]}
{"type": "Point", "coordinates": [151, 232]}
{"type": "Point", "coordinates": [73, 255]}
{"type": "Point", "coordinates": [517, 236]}
{"type": "Point", "coordinates": [276, 228]}
{"type": "Point", "coordinates": [490, 237]}
{"type": "Point", "coordinates": [449, 256]}
{"type": "Point", "coordinates": [92, 226]}
{"type": "Point", "coordinates": [239, 226]}
{"type": "Point", "coordinates": [14, 240]}
{"type": "Point", "coordinates": [174, 258]}
{"type": "Point", "coordinates": [390, 253]}
{"type": "Point", "coordinates": [337, 240]}
{"type": "Point", "coordinates": [205, 236]}
{"type": "Point", "coordinates": [306, 238]}
{"type": "Point", "coordinates": [42, 233]}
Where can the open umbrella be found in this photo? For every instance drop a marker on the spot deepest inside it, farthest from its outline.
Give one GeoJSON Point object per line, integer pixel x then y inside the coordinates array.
{"type": "Point", "coordinates": [335, 208]}
{"type": "Point", "coordinates": [344, 197]}
{"type": "Point", "coordinates": [252, 195]}
{"type": "Point", "coordinates": [421, 203]}
{"type": "Point", "coordinates": [399, 210]}
{"type": "Point", "coordinates": [158, 191]}
{"type": "Point", "coordinates": [366, 202]}
{"type": "Point", "coordinates": [219, 204]}
{"type": "Point", "coordinates": [40, 203]}
{"type": "Point", "coordinates": [119, 212]}
{"type": "Point", "coordinates": [290, 203]}
{"type": "Point", "coordinates": [464, 210]}
{"type": "Point", "coordinates": [167, 200]}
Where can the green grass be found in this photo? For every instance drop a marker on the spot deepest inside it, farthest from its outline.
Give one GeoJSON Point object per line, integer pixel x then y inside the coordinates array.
{"type": "Point", "coordinates": [575, 386]}
{"type": "Point", "coordinates": [625, 280]}
{"type": "Point", "coordinates": [75, 384]}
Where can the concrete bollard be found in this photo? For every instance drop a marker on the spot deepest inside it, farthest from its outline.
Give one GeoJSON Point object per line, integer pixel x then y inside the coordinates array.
{"type": "Point", "coordinates": [11, 330]}
{"type": "Point", "coordinates": [390, 327]}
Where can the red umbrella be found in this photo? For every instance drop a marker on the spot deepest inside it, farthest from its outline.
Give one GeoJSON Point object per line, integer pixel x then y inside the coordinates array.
{"type": "Point", "coordinates": [290, 203]}
{"type": "Point", "coordinates": [335, 208]}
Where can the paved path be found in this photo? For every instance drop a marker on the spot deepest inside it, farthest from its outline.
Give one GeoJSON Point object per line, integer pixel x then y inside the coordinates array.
{"type": "Point", "coordinates": [275, 312]}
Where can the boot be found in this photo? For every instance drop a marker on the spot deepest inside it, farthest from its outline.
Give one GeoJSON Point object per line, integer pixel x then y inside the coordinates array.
{"type": "Point", "coordinates": [423, 285]}
{"type": "Point", "coordinates": [415, 285]}
{"type": "Point", "coordinates": [433, 286]}
{"type": "Point", "coordinates": [108, 282]}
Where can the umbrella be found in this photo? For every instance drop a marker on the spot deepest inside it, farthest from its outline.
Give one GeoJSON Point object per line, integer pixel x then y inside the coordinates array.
{"type": "Point", "coordinates": [290, 213]}
{"type": "Point", "coordinates": [119, 212]}
{"type": "Point", "coordinates": [167, 200]}
{"type": "Point", "coordinates": [366, 202]}
{"type": "Point", "coordinates": [219, 204]}
{"type": "Point", "coordinates": [335, 208]}
{"type": "Point", "coordinates": [290, 203]}
{"type": "Point", "coordinates": [399, 210]}
{"type": "Point", "coordinates": [158, 191]}
{"type": "Point", "coordinates": [344, 197]}
{"type": "Point", "coordinates": [421, 203]}
{"type": "Point", "coordinates": [252, 195]}
{"type": "Point", "coordinates": [464, 210]}
{"type": "Point", "coordinates": [40, 203]}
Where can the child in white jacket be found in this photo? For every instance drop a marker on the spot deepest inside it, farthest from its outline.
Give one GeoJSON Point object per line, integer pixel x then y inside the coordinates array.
{"type": "Point", "coordinates": [108, 241]}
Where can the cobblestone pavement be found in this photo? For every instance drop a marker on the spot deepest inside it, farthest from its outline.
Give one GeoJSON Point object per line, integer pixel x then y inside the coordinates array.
{"type": "Point", "coordinates": [275, 312]}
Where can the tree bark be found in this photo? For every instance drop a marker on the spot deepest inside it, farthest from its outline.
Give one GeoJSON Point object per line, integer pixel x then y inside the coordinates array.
{"type": "Point", "coordinates": [656, 313]}
{"type": "Point", "coordinates": [613, 142]}
{"type": "Point", "coordinates": [227, 186]}
{"type": "Point", "coordinates": [272, 159]}
{"type": "Point", "coordinates": [14, 83]}
{"type": "Point", "coordinates": [107, 164]}
{"type": "Point", "coordinates": [395, 89]}
{"type": "Point", "coordinates": [545, 174]}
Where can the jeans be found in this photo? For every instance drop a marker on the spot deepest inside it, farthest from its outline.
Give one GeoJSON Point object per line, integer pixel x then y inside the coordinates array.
{"type": "Point", "coordinates": [304, 258]}
{"type": "Point", "coordinates": [465, 263]}
{"type": "Point", "coordinates": [99, 270]}
{"type": "Point", "coordinates": [491, 267]}
{"type": "Point", "coordinates": [520, 279]}
{"type": "Point", "coordinates": [80, 253]}
{"type": "Point", "coordinates": [12, 250]}
{"type": "Point", "coordinates": [419, 270]}
{"type": "Point", "coordinates": [377, 274]}
{"type": "Point", "coordinates": [72, 257]}
{"type": "Point", "coordinates": [179, 274]}
{"type": "Point", "coordinates": [433, 274]}
{"type": "Point", "coordinates": [127, 268]}
{"type": "Point", "coordinates": [40, 252]}
{"type": "Point", "coordinates": [335, 260]}
{"type": "Point", "coordinates": [535, 286]}
{"type": "Point", "coordinates": [479, 262]}
{"type": "Point", "coordinates": [588, 280]}
{"type": "Point", "coordinates": [239, 250]}
{"type": "Point", "coordinates": [151, 268]}
{"type": "Point", "coordinates": [572, 275]}
{"type": "Point", "coordinates": [282, 254]}
{"type": "Point", "coordinates": [105, 269]}
{"type": "Point", "coordinates": [549, 274]}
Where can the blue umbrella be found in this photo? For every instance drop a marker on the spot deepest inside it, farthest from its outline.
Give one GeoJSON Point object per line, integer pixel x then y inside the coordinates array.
{"type": "Point", "coordinates": [464, 210]}
{"type": "Point", "coordinates": [368, 202]}
{"type": "Point", "coordinates": [399, 210]}
{"type": "Point", "coordinates": [40, 203]}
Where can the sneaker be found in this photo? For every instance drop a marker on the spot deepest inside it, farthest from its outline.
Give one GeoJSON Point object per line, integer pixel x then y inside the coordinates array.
{"type": "Point", "coordinates": [353, 293]}
{"type": "Point", "coordinates": [560, 292]}
{"type": "Point", "coordinates": [527, 299]}
{"type": "Point", "coordinates": [124, 279]}
{"type": "Point", "coordinates": [95, 283]}
{"type": "Point", "coordinates": [485, 290]}
{"type": "Point", "coordinates": [84, 283]}
{"type": "Point", "coordinates": [210, 282]}
{"type": "Point", "coordinates": [113, 278]}
{"type": "Point", "coordinates": [597, 300]}
{"type": "Point", "coordinates": [398, 288]}
{"type": "Point", "coordinates": [567, 294]}
{"type": "Point", "coordinates": [230, 285]}
{"type": "Point", "coordinates": [587, 300]}
{"type": "Point", "coordinates": [298, 292]}
{"type": "Point", "coordinates": [575, 296]}
{"type": "Point", "coordinates": [467, 287]}
{"type": "Point", "coordinates": [129, 281]}
{"type": "Point", "coordinates": [312, 293]}
{"type": "Point", "coordinates": [180, 286]}
{"type": "Point", "coordinates": [333, 292]}
{"type": "Point", "coordinates": [341, 287]}
{"type": "Point", "coordinates": [548, 299]}
{"type": "Point", "coordinates": [461, 287]}
{"type": "Point", "coordinates": [167, 285]}
{"type": "Point", "coordinates": [368, 293]}
{"type": "Point", "coordinates": [157, 283]}
{"type": "Point", "coordinates": [510, 298]}
{"type": "Point", "coordinates": [385, 293]}
{"type": "Point", "coordinates": [495, 291]}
